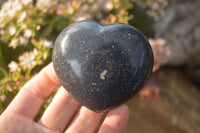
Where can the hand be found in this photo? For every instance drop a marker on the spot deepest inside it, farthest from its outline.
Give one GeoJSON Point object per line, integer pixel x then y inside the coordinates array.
{"type": "Point", "coordinates": [19, 115]}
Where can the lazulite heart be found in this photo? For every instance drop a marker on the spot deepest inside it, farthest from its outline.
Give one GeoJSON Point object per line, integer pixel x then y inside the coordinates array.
{"type": "Point", "coordinates": [102, 66]}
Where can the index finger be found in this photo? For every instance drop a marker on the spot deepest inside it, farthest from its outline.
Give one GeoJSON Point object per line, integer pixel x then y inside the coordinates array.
{"type": "Point", "coordinates": [32, 95]}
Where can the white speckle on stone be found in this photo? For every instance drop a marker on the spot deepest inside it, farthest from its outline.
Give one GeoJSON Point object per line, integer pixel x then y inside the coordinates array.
{"type": "Point", "coordinates": [75, 66]}
{"type": "Point", "coordinates": [103, 74]}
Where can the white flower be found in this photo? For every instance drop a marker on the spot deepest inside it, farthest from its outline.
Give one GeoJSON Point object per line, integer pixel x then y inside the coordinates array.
{"type": "Point", "coordinates": [35, 52]}
{"type": "Point", "coordinates": [27, 59]}
{"type": "Point", "coordinates": [15, 6]}
{"type": "Point", "coordinates": [12, 30]}
{"type": "Point", "coordinates": [13, 43]}
{"type": "Point", "coordinates": [38, 27]}
{"type": "Point", "coordinates": [23, 41]}
{"type": "Point", "coordinates": [22, 17]}
{"type": "Point", "coordinates": [70, 10]}
{"type": "Point", "coordinates": [27, 33]}
{"type": "Point", "coordinates": [9, 8]}
{"type": "Point", "coordinates": [23, 25]}
{"type": "Point", "coordinates": [109, 6]}
{"type": "Point", "coordinates": [45, 4]}
{"type": "Point", "coordinates": [13, 66]}
{"type": "Point", "coordinates": [48, 44]}
{"type": "Point", "coordinates": [26, 2]}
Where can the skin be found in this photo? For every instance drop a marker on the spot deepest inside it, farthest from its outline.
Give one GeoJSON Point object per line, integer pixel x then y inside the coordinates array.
{"type": "Point", "coordinates": [19, 115]}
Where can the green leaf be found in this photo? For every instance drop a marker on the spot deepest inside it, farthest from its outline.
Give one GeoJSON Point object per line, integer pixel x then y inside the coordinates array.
{"type": "Point", "coordinates": [47, 31]}
{"type": "Point", "coordinates": [3, 73]}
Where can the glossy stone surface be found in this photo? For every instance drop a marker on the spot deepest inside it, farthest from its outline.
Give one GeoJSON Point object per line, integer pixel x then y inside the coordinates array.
{"type": "Point", "coordinates": [102, 66]}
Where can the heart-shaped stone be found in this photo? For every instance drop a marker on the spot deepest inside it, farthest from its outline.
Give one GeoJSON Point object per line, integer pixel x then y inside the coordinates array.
{"type": "Point", "coordinates": [102, 66]}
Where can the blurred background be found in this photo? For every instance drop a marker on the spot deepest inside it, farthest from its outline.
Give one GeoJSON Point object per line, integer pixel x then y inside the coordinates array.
{"type": "Point", "coordinates": [170, 101]}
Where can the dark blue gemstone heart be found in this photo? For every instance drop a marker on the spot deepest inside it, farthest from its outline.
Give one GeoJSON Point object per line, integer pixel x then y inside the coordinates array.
{"type": "Point", "coordinates": [102, 66]}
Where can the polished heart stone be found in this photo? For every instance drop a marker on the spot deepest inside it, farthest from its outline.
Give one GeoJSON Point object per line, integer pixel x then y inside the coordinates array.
{"type": "Point", "coordinates": [102, 66]}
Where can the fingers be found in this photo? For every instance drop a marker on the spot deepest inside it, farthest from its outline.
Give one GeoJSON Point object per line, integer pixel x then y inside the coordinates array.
{"type": "Point", "coordinates": [85, 121]}
{"type": "Point", "coordinates": [30, 98]}
{"type": "Point", "coordinates": [60, 111]}
{"type": "Point", "coordinates": [115, 121]}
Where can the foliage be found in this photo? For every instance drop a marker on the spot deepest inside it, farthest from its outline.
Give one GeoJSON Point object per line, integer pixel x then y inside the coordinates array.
{"type": "Point", "coordinates": [28, 29]}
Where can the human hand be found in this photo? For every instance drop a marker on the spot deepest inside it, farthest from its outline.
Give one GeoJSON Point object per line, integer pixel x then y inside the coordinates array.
{"type": "Point", "coordinates": [19, 115]}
